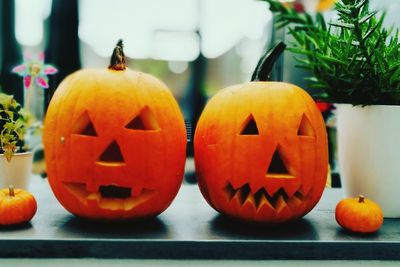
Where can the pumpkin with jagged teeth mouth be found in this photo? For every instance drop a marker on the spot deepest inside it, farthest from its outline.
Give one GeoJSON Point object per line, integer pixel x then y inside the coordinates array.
{"type": "Point", "coordinates": [261, 150]}
{"type": "Point", "coordinates": [265, 161]}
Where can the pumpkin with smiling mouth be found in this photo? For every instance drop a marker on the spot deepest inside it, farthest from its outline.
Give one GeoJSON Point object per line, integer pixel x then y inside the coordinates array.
{"type": "Point", "coordinates": [115, 143]}
{"type": "Point", "coordinates": [261, 149]}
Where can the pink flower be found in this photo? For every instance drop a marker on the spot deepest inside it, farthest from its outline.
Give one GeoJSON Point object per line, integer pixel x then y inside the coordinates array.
{"type": "Point", "coordinates": [34, 70]}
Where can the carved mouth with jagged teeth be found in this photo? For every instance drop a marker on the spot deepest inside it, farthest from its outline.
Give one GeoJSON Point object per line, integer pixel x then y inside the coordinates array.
{"type": "Point", "coordinates": [110, 197]}
{"type": "Point", "coordinates": [278, 201]}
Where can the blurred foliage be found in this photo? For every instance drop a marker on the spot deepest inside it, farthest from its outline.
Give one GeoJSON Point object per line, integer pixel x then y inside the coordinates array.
{"type": "Point", "coordinates": [354, 60]}
{"type": "Point", "coordinates": [14, 122]}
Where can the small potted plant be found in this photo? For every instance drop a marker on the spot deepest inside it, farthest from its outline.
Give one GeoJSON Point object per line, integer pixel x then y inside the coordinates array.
{"type": "Point", "coordinates": [355, 62]}
{"type": "Point", "coordinates": [15, 159]}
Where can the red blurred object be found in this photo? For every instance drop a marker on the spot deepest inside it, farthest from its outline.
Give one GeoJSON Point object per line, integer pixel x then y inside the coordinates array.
{"type": "Point", "coordinates": [298, 7]}
{"type": "Point", "coordinates": [324, 106]}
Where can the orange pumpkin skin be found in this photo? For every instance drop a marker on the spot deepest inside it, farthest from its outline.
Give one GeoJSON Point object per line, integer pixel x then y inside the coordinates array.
{"type": "Point", "coordinates": [235, 170]}
{"type": "Point", "coordinates": [359, 215]}
{"type": "Point", "coordinates": [17, 207]}
{"type": "Point", "coordinates": [114, 128]}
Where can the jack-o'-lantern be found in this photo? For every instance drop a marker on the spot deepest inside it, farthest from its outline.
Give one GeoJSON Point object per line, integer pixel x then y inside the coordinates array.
{"type": "Point", "coordinates": [115, 143]}
{"type": "Point", "coordinates": [261, 149]}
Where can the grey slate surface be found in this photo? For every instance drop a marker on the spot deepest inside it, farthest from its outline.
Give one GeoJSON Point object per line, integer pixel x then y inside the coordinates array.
{"type": "Point", "coordinates": [190, 229]}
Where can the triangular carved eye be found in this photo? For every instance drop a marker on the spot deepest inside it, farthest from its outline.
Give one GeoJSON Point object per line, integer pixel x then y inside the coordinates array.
{"type": "Point", "coordinates": [305, 128]}
{"type": "Point", "coordinates": [145, 120]}
{"type": "Point", "coordinates": [249, 126]}
{"type": "Point", "coordinates": [84, 126]}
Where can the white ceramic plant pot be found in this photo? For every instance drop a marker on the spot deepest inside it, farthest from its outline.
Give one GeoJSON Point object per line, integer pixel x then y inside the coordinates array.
{"type": "Point", "coordinates": [16, 172]}
{"type": "Point", "coordinates": [369, 153]}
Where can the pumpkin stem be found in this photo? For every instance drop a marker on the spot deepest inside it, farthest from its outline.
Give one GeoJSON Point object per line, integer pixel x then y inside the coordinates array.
{"type": "Point", "coordinates": [361, 199]}
{"type": "Point", "coordinates": [11, 190]}
{"type": "Point", "coordinates": [117, 61]}
{"type": "Point", "coordinates": [266, 63]}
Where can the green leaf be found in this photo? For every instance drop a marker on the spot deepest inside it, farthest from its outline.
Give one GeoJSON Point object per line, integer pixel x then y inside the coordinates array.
{"type": "Point", "coordinates": [344, 11]}
{"type": "Point", "coordinates": [342, 25]}
{"type": "Point", "coordinates": [361, 4]}
{"type": "Point", "coordinates": [330, 59]}
{"type": "Point", "coordinates": [321, 21]}
{"type": "Point", "coordinates": [395, 77]}
{"type": "Point", "coordinates": [299, 51]}
{"type": "Point", "coordinates": [294, 19]}
{"type": "Point", "coordinates": [368, 34]}
{"type": "Point", "coordinates": [297, 36]}
{"type": "Point", "coordinates": [368, 17]}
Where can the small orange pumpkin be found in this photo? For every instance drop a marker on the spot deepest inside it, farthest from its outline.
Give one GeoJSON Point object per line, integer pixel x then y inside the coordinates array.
{"type": "Point", "coordinates": [261, 149]}
{"type": "Point", "coordinates": [16, 206]}
{"type": "Point", "coordinates": [324, 5]}
{"type": "Point", "coordinates": [115, 143]}
{"type": "Point", "coordinates": [359, 215]}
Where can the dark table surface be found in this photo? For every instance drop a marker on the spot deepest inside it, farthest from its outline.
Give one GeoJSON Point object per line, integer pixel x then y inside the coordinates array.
{"type": "Point", "coordinates": [190, 229]}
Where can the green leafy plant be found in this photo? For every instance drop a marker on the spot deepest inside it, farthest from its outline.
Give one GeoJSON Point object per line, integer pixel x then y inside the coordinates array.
{"type": "Point", "coordinates": [353, 60]}
{"type": "Point", "coordinates": [14, 122]}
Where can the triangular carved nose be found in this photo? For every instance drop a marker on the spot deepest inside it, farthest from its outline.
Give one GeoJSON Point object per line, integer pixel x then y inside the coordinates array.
{"type": "Point", "coordinates": [111, 155]}
{"type": "Point", "coordinates": [278, 166]}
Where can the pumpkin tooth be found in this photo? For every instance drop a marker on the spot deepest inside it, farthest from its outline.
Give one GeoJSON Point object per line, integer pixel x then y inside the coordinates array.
{"type": "Point", "coordinates": [111, 204]}
{"type": "Point", "coordinates": [237, 197]}
{"type": "Point", "coordinates": [245, 192]}
{"type": "Point", "coordinates": [299, 194]}
{"type": "Point", "coordinates": [291, 189]}
{"type": "Point", "coordinates": [93, 199]}
{"type": "Point", "coordinates": [271, 190]}
{"type": "Point", "coordinates": [280, 203]}
{"type": "Point", "coordinates": [249, 204]}
{"type": "Point", "coordinates": [264, 201]}
{"type": "Point", "coordinates": [250, 199]}
{"type": "Point", "coordinates": [237, 185]}
{"type": "Point", "coordinates": [229, 191]}
{"type": "Point", "coordinates": [257, 197]}
{"type": "Point", "coordinates": [277, 199]}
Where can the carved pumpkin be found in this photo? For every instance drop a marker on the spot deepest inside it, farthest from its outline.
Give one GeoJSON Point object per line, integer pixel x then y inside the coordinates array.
{"type": "Point", "coordinates": [359, 215]}
{"type": "Point", "coordinates": [115, 143]}
{"type": "Point", "coordinates": [261, 149]}
{"type": "Point", "coordinates": [16, 206]}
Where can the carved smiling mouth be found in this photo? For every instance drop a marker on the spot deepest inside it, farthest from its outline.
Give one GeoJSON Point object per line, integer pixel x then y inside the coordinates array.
{"type": "Point", "coordinates": [110, 197]}
{"type": "Point", "coordinates": [277, 202]}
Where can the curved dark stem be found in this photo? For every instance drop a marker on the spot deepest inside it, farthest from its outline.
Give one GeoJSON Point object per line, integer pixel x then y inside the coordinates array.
{"type": "Point", "coordinates": [117, 61]}
{"type": "Point", "coordinates": [266, 63]}
{"type": "Point", "coordinates": [11, 191]}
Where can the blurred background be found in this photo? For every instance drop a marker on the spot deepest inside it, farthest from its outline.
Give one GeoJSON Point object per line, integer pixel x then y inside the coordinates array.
{"type": "Point", "coordinates": [196, 47]}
